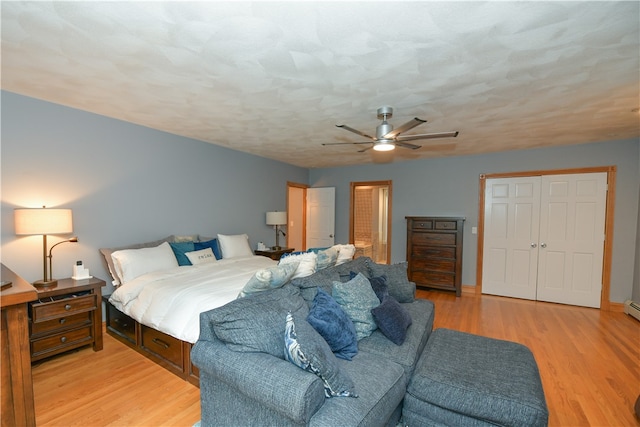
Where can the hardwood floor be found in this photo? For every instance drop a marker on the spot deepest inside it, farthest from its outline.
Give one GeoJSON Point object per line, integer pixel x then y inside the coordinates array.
{"type": "Point", "coordinates": [589, 363]}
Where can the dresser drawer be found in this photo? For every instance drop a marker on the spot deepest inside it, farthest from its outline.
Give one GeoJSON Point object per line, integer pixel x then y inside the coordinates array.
{"type": "Point", "coordinates": [433, 278]}
{"type": "Point", "coordinates": [433, 264]}
{"type": "Point", "coordinates": [66, 322]}
{"type": "Point", "coordinates": [434, 239]}
{"type": "Point", "coordinates": [434, 251]}
{"type": "Point", "coordinates": [163, 345]}
{"type": "Point", "coordinates": [43, 311]}
{"type": "Point", "coordinates": [446, 225]}
{"type": "Point", "coordinates": [121, 323]}
{"type": "Point", "coordinates": [422, 224]}
{"type": "Point", "coordinates": [55, 342]}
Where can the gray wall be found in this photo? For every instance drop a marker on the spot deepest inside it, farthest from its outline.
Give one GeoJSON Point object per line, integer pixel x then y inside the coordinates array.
{"type": "Point", "coordinates": [125, 183]}
{"type": "Point", "coordinates": [449, 187]}
{"type": "Point", "coordinates": [636, 274]}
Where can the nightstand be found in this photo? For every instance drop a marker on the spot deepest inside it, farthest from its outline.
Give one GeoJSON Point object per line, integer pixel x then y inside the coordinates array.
{"type": "Point", "coordinates": [274, 254]}
{"type": "Point", "coordinates": [66, 316]}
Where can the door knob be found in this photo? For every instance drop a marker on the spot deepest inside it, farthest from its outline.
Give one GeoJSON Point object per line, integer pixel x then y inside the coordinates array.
{"type": "Point", "coordinates": [543, 245]}
{"type": "Point", "coordinates": [533, 245]}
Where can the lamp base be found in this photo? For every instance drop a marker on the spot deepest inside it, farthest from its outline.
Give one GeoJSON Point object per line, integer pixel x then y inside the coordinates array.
{"type": "Point", "coordinates": [45, 283]}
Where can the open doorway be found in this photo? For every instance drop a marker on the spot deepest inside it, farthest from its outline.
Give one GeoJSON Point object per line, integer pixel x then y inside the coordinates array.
{"type": "Point", "coordinates": [370, 219]}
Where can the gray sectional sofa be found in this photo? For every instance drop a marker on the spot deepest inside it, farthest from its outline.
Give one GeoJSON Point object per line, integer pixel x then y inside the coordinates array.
{"type": "Point", "coordinates": [247, 355]}
{"type": "Point", "coordinates": [250, 386]}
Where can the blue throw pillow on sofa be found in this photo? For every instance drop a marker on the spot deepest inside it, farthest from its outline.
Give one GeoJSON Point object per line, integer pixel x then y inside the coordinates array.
{"type": "Point", "coordinates": [392, 320]}
{"type": "Point", "coordinates": [329, 319]}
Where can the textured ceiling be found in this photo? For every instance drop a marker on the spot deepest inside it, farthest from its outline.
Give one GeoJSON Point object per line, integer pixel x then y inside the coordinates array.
{"type": "Point", "coordinates": [274, 78]}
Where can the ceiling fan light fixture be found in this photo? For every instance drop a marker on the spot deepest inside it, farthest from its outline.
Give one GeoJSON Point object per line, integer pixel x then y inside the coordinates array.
{"type": "Point", "coordinates": [384, 146]}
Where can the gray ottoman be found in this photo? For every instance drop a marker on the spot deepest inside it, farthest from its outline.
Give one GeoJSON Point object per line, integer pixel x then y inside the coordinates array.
{"type": "Point", "coordinates": [468, 380]}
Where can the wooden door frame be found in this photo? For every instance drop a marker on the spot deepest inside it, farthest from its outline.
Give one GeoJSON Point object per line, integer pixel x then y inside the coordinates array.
{"type": "Point", "coordinates": [605, 303]}
{"type": "Point", "coordinates": [389, 185]}
{"type": "Point", "coordinates": [304, 210]}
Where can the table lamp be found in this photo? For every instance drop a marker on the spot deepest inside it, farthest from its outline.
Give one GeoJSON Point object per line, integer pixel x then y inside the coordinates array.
{"type": "Point", "coordinates": [44, 221]}
{"type": "Point", "coordinates": [277, 219]}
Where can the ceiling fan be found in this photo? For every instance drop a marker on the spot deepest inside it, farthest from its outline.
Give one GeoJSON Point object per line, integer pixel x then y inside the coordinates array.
{"type": "Point", "coordinates": [387, 138]}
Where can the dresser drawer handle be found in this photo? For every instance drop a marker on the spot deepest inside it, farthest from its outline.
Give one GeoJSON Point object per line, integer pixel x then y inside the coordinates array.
{"type": "Point", "coordinates": [63, 320]}
{"type": "Point", "coordinates": [63, 339]}
{"type": "Point", "coordinates": [160, 343]}
{"type": "Point", "coordinates": [119, 322]}
{"type": "Point", "coordinates": [67, 307]}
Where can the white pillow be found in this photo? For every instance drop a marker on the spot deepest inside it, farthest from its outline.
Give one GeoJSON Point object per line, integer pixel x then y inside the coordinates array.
{"type": "Point", "coordinates": [269, 278]}
{"type": "Point", "coordinates": [131, 263]}
{"type": "Point", "coordinates": [306, 266]}
{"type": "Point", "coordinates": [345, 253]}
{"type": "Point", "coordinates": [201, 257]}
{"type": "Point", "coordinates": [236, 245]}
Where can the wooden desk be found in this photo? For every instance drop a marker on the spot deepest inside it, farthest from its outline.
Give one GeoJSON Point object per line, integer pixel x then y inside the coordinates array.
{"type": "Point", "coordinates": [17, 386]}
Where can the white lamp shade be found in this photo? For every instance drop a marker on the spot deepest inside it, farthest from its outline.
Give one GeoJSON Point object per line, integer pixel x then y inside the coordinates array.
{"type": "Point", "coordinates": [43, 221]}
{"type": "Point", "coordinates": [276, 218]}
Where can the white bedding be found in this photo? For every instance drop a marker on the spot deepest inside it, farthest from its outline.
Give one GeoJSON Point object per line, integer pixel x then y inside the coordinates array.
{"type": "Point", "coordinates": [171, 300]}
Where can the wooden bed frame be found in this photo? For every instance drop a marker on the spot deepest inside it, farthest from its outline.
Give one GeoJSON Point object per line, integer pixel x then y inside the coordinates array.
{"type": "Point", "coordinates": [165, 350]}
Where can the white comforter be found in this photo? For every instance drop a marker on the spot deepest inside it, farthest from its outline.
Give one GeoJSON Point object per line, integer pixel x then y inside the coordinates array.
{"type": "Point", "coordinates": [171, 300]}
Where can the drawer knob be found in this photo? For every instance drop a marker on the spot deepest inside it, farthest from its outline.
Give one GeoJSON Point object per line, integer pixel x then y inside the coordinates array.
{"type": "Point", "coordinates": [63, 339]}
{"type": "Point", "coordinates": [67, 307]}
{"type": "Point", "coordinates": [63, 320]}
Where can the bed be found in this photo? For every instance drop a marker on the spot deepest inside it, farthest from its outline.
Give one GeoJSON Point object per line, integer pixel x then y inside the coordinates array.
{"type": "Point", "coordinates": [156, 306]}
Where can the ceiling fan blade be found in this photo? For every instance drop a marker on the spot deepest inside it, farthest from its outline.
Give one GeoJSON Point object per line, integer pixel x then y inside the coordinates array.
{"type": "Point", "coordinates": [405, 127]}
{"type": "Point", "coordinates": [350, 129]}
{"type": "Point", "coordinates": [346, 143]}
{"type": "Point", "coordinates": [428, 136]}
{"type": "Point", "coordinates": [407, 145]}
{"type": "Point", "coordinates": [365, 149]}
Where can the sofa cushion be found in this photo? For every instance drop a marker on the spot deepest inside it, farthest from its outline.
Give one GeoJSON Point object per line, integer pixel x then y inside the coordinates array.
{"type": "Point", "coordinates": [305, 348]}
{"type": "Point", "coordinates": [399, 285]}
{"type": "Point", "coordinates": [358, 265]}
{"type": "Point", "coordinates": [381, 386]}
{"type": "Point", "coordinates": [309, 285]}
{"type": "Point", "coordinates": [392, 319]}
{"type": "Point", "coordinates": [256, 323]}
{"type": "Point", "coordinates": [329, 319]}
{"type": "Point", "coordinates": [356, 297]}
{"type": "Point", "coordinates": [422, 312]}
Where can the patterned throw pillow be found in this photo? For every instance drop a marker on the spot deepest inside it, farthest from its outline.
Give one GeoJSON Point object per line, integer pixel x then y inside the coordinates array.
{"type": "Point", "coordinates": [306, 263]}
{"type": "Point", "coordinates": [399, 285]}
{"type": "Point", "coordinates": [269, 278]}
{"type": "Point", "coordinates": [305, 348]}
{"type": "Point", "coordinates": [357, 299]}
{"type": "Point", "coordinates": [326, 258]}
{"type": "Point", "coordinates": [392, 320]}
{"type": "Point", "coordinates": [329, 319]}
{"type": "Point", "coordinates": [378, 284]}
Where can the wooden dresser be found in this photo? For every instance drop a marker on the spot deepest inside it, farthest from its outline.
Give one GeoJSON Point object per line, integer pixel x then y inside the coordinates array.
{"type": "Point", "coordinates": [17, 386]}
{"type": "Point", "coordinates": [434, 252]}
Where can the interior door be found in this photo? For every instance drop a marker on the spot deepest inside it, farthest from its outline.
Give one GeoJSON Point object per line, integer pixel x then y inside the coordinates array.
{"type": "Point", "coordinates": [320, 217]}
{"type": "Point", "coordinates": [572, 238]}
{"type": "Point", "coordinates": [511, 224]}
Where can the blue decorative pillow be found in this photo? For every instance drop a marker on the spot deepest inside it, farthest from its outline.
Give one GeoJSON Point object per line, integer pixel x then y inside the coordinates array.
{"type": "Point", "coordinates": [213, 244]}
{"type": "Point", "coordinates": [326, 258]}
{"type": "Point", "coordinates": [399, 285]}
{"type": "Point", "coordinates": [179, 249]}
{"type": "Point", "coordinates": [269, 278]}
{"type": "Point", "coordinates": [378, 284]}
{"type": "Point", "coordinates": [392, 319]}
{"type": "Point", "coordinates": [356, 297]}
{"type": "Point", "coordinates": [329, 319]}
{"type": "Point", "coordinates": [305, 348]}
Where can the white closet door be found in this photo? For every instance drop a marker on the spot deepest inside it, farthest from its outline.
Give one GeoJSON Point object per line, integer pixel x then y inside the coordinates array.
{"type": "Point", "coordinates": [572, 236]}
{"type": "Point", "coordinates": [511, 221]}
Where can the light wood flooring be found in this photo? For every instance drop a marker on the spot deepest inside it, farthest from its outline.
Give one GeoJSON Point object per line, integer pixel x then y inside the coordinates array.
{"type": "Point", "coordinates": [589, 363]}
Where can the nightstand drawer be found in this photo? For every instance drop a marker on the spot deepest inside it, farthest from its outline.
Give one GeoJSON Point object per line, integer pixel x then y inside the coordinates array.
{"type": "Point", "coordinates": [43, 311]}
{"type": "Point", "coordinates": [164, 345]}
{"type": "Point", "coordinates": [66, 322]}
{"type": "Point", "coordinates": [66, 339]}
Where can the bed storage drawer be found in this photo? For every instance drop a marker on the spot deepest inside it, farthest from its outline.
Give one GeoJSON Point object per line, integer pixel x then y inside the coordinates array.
{"type": "Point", "coordinates": [122, 324]}
{"type": "Point", "coordinates": [163, 345]}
